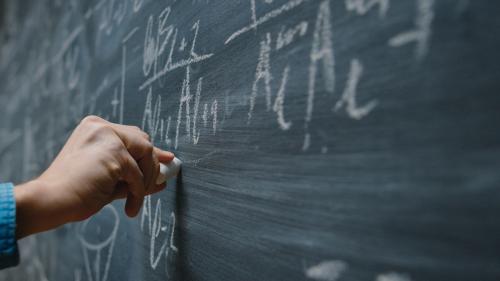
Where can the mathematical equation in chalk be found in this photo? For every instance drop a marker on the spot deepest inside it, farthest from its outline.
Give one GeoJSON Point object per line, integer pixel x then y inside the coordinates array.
{"type": "Point", "coordinates": [155, 51]}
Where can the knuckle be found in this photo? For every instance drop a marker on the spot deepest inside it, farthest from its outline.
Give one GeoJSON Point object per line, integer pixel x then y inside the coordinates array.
{"type": "Point", "coordinates": [122, 159]}
{"type": "Point", "coordinates": [101, 129]}
{"type": "Point", "coordinates": [91, 119]}
{"type": "Point", "coordinates": [135, 128]}
{"type": "Point", "coordinates": [148, 148]}
{"type": "Point", "coordinates": [114, 168]}
{"type": "Point", "coordinates": [140, 132]}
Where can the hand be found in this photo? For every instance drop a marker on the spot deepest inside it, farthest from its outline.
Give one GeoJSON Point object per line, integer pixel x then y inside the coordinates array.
{"type": "Point", "coordinates": [99, 163]}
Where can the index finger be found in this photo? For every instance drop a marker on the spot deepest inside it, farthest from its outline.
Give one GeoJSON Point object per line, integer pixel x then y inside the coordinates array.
{"type": "Point", "coordinates": [163, 156]}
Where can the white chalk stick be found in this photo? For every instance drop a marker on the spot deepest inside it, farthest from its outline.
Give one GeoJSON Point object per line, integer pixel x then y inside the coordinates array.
{"type": "Point", "coordinates": [168, 171]}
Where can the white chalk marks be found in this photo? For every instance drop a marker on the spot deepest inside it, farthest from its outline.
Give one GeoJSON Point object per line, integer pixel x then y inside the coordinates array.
{"type": "Point", "coordinates": [161, 45]}
{"type": "Point", "coordinates": [98, 253]}
{"type": "Point", "coordinates": [287, 36]}
{"type": "Point", "coordinates": [348, 99]}
{"type": "Point", "coordinates": [280, 100]}
{"type": "Point", "coordinates": [263, 75]}
{"type": "Point", "coordinates": [151, 118]}
{"type": "Point", "coordinates": [321, 70]}
{"type": "Point", "coordinates": [290, 5]}
{"type": "Point", "coordinates": [362, 7]}
{"type": "Point", "coordinates": [188, 115]}
{"type": "Point", "coordinates": [393, 276]}
{"type": "Point", "coordinates": [330, 270]}
{"type": "Point", "coordinates": [321, 51]}
{"type": "Point", "coordinates": [263, 72]}
{"type": "Point", "coordinates": [421, 34]}
{"type": "Point", "coordinates": [159, 230]}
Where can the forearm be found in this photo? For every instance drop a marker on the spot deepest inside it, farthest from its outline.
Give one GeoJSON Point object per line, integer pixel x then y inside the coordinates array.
{"type": "Point", "coordinates": [36, 210]}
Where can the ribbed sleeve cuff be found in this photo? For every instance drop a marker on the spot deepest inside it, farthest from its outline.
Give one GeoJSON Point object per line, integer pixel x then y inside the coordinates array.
{"type": "Point", "coordinates": [9, 254]}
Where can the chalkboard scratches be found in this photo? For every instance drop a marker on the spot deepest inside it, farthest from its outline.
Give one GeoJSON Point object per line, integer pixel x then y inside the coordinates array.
{"type": "Point", "coordinates": [269, 16]}
{"type": "Point", "coordinates": [327, 270]}
{"type": "Point", "coordinates": [422, 32]}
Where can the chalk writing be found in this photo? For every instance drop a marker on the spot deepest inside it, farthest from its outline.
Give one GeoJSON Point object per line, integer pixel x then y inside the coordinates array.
{"type": "Point", "coordinates": [149, 48]}
{"type": "Point", "coordinates": [167, 35]}
{"type": "Point", "coordinates": [184, 102]}
{"type": "Point", "coordinates": [290, 5]}
{"type": "Point", "coordinates": [263, 72]}
{"type": "Point", "coordinates": [137, 5]}
{"type": "Point", "coordinates": [151, 117]}
{"type": "Point", "coordinates": [280, 100]}
{"type": "Point", "coordinates": [422, 32]}
{"type": "Point", "coordinates": [348, 99]}
{"type": "Point", "coordinates": [364, 6]}
{"type": "Point", "coordinates": [213, 113]}
{"type": "Point", "coordinates": [97, 269]}
{"type": "Point", "coordinates": [286, 37]}
{"type": "Point", "coordinates": [155, 229]}
{"type": "Point", "coordinates": [321, 51]}
{"type": "Point", "coordinates": [196, 133]}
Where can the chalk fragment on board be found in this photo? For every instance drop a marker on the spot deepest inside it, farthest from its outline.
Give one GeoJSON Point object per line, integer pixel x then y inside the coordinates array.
{"type": "Point", "coordinates": [327, 270]}
{"type": "Point", "coordinates": [393, 276]}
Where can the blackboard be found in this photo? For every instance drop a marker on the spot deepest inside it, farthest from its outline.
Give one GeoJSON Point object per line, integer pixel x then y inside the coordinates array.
{"type": "Point", "coordinates": [321, 140]}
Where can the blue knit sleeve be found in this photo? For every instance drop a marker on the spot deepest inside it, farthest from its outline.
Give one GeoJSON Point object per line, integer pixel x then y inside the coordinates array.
{"type": "Point", "coordinates": [9, 255]}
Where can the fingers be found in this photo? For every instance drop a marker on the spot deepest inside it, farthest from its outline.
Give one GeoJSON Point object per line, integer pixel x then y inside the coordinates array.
{"type": "Point", "coordinates": [147, 160]}
{"type": "Point", "coordinates": [136, 141]}
{"type": "Point", "coordinates": [141, 166]}
{"type": "Point", "coordinates": [121, 190]}
{"type": "Point", "coordinates": [140, 148]}
{"type": "Point", "coordinates": [163, 156]}
{"type": "Point", "coordinates": [134, 177]}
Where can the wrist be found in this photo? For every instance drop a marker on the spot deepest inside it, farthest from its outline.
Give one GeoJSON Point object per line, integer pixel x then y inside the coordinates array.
{"type": "Point", "coordinates": [36, 209]}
